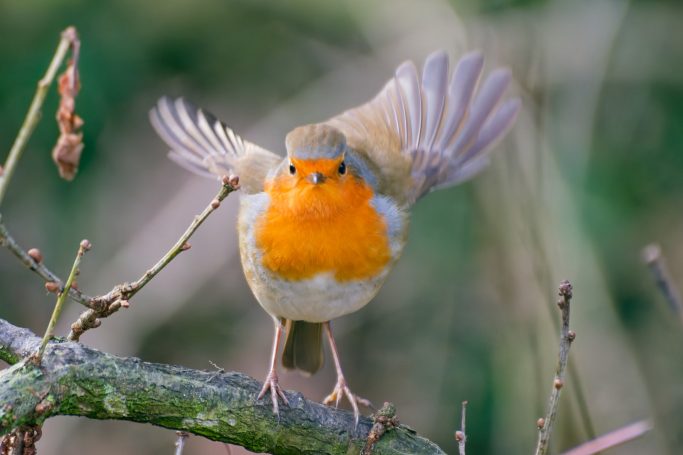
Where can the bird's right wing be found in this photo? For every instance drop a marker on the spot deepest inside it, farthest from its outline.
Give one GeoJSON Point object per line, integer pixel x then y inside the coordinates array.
{"type": "Point", "coordinates": [204, 145]}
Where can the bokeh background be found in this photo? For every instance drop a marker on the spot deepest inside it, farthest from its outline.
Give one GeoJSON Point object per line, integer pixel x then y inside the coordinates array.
{"type": "Point", "coordinates": [592, 172]}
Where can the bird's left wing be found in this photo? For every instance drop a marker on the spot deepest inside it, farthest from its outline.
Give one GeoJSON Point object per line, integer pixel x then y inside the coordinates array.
{"type": "Point", "coordinates": [204, 145]}
{"type": "Point", "coordinates": [426, 133]}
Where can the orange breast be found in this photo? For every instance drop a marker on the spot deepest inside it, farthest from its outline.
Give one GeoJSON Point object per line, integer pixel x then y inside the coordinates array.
{"type": "Point", "coordinates": [331, 227]}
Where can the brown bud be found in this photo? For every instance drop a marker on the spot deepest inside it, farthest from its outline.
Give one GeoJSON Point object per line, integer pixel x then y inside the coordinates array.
{"type": "Point", "coordinates": [225, 180]}
{"type": "Point", "coordinates": [76, 326]}
{"type": "Point", "coordinates": [185, 246]}
{"type": "Point", "coordinates": [215, 203]}
{"type": "Point", "coordinates": [125, 304]}
{"type": "Point", "coordinates": [36, 255]}
{"type": "Point", "coordinates": [459, 436]}
{"type": "Point", "coordinates": [51, 286]}
{"type": "Point", "coordinates": [540, 423]}
{"type": "Point", "coordinates": [234, 181]}
{"type": "Point", "coordinates": [74, 285]}
{"type": "Point", "coordinates": [565, 289]}
{"type": "Point", "coordinates": [85, 244]}
{"type": "Point", "coordinates": [558, 383]}
{"type": "Point", "coordinates": [571, 336]}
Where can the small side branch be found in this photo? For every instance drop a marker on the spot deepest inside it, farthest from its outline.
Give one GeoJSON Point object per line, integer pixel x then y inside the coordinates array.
{"type": "Point", "coordinates": [117, 298]}
{"type": "Point", "coordinates": [546, 424]}
{"type": "Point", "coordinates": [461, 436]}
{"type": "Point", "coordinates": [49, 332]}
{"type": "Point", "coordinates": [613, 438]}
{"type": "Point", "coordinates": [652, 255]}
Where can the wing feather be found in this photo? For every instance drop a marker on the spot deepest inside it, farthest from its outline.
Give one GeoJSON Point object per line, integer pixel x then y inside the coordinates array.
{"type": "Point", "coordinates": [204, 145]}
{"type": "Point", "coordinates": [428, 133]}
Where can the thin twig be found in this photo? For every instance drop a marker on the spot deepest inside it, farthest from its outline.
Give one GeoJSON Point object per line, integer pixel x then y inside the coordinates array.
{"type": "Point", "coordinates": [82, 248]}
{"type": "Point", "coordinates": [118, 297]}
{"type": "Point", "coordinates": [613, 438]}
{"type": "Point", "coordinates": [546, 424]}
{"type": "Point", "coordinates": [33, 114]}
{"type": "Point", "coordinates": [180, 442]}
{"type": "Point", "coordinates": [652, 255]}
{"type": "Point", "coordinates": [8, 242]}
{"type": "Point", "coordinates": [461, 436]}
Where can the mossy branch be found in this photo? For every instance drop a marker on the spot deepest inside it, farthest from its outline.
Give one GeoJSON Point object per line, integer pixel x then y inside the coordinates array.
{"type": "Point", "coordinates": [76, 380]}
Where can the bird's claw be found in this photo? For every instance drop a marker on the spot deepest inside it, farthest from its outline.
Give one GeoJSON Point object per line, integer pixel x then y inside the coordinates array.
{"type": "Point", "coordinates": [341, 390]}
{"type": "Point", "coordinates": [271, 383]}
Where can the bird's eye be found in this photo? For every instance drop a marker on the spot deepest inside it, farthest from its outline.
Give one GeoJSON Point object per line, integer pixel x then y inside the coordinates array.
{"type": "Point", "coordinates": [342, 168]}
{"type": "Point", "coordinates": [292, 169]}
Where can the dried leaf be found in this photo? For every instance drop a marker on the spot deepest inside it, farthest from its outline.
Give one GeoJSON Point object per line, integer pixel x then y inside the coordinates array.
{"type": "Point", "coordinates": [67, 152]}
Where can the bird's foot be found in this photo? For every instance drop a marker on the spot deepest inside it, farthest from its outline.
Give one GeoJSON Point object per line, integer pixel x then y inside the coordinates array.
{"type": "Point", "coordinates": [341, 390]}
{"type": "Point", "coordinates": [271, 383]}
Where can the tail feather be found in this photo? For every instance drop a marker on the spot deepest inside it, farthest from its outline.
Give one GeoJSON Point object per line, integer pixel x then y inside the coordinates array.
{"type": "Point", "coordinates": [303, 348]}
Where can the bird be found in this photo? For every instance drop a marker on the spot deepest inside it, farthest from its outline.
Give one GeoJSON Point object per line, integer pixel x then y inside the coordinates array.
{"type": "Point", "coordinates": [321, 227]}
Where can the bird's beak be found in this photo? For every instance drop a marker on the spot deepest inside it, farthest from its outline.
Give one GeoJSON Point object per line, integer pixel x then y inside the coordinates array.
{"type": "Point", "coordinates": [316, 177]}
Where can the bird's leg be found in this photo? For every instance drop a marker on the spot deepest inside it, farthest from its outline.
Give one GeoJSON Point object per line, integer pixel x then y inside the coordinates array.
{"type": "Point", "coordinates": [341, 389]}
{"type": "Point", "coordinates": [271, 381]}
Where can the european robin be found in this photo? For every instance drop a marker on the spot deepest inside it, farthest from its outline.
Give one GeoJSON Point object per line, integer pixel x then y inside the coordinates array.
{"type": "Point", "coordinates": [320, 229]}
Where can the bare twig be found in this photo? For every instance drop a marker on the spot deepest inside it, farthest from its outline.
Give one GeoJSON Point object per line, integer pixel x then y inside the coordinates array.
{"type": "Point", "coordinates": [33, 115]}
{"type": "Point", "coordinates": [613, 438]}
{"type": "Point", "coordinates": [82, 248]}
{"type": "Point", "coordinates": [118, 297]}
{"type": "Point", "coordinates": [652, 255]}
{"type": "Point", "coordinates": [180, 442]}
{"type": "Point", "coordinates": [461, 436]}
{"type": "Point", "coordinates": [53, 282]}
{"type": "Point", "coordinates": [545, 425]}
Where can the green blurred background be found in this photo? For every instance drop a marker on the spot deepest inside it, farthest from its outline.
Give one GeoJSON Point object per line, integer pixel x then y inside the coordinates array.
{"type": "Point", "coordinates": [592, 172]}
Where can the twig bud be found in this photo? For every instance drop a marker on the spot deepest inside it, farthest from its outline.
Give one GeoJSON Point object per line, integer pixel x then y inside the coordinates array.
{"type": "Point", "coordinates": [215, 203]}
{"type": "Point", "coordinates": [565, 289]}
{"type": "Point", "coordinates": [125, 304]}
{"type": "Point", "coordinates": [36, 255]}
{"type": "Point", "coordinates": [558, 383]}
{"type": "Point", "coordinates": [51, 286]}
{"type": "Point", "coordinates": [185, 246]}
{"type": "Point", "coordinates": [232, 181]}
{"type": "Point", "coordinates": [652, 253]}
{"type": "Point", "coordinates": [86, 245]}
{"type": "Point", "coordinates": [459, 436]}
{"type": "Point", "coordinates": [96, 323]}
{"type": "Point", "coordinates": [540, 423]}
{"type": "Point", "coordinates": [571, 335]}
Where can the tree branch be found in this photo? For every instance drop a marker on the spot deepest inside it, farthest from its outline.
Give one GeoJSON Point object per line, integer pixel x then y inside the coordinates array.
{"type": "Point", "coordinates": [76, 380]}
{"type": "Point", "coordinates": [546, 424]}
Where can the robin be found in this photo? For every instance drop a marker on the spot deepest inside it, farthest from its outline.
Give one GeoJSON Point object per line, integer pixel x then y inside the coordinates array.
{"type": "Point", "coordinates": [320, 229]}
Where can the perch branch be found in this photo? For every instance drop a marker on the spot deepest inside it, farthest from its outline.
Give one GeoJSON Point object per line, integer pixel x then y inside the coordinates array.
{"type": "Point", "coordinates": [69, 37]}
{"type": "Point", "coordinates": [546, 424]}
{"type": "Point", "coordinates": [76, 380]}
{"type": "Point", "coordinates": [118, 297]}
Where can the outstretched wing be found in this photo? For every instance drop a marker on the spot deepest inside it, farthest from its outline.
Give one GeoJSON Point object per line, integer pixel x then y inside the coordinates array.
{"type": "Point", "coordinates": [204, 145]}
{"type": "Point", "coordinates": [430, 133]}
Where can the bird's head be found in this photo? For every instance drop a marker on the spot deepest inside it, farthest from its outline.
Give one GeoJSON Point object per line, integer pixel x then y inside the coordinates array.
{"type": "Point", "coordinates": [316, 155]}
{"type": "Point", "coordinates": [320, 173]}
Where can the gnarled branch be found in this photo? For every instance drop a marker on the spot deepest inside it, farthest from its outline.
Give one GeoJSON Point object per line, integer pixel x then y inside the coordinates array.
{"type": "Point", "coordinates": [76, 380]}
